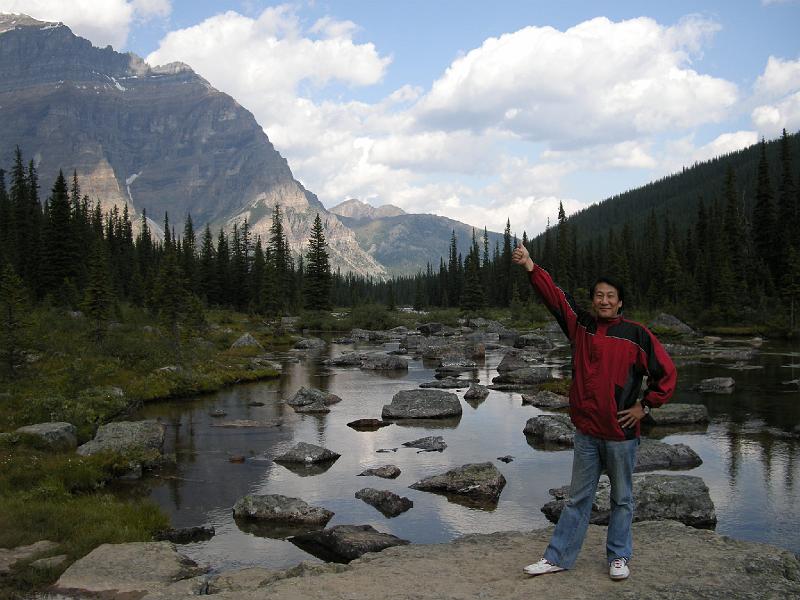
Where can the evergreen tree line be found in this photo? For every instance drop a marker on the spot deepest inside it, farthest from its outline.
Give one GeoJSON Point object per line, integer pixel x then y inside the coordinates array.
{"type": "Point", "coordinates": [738, 260]}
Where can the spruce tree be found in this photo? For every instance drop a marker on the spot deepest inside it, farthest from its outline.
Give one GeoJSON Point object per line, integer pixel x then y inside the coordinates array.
{"type": "Point", "coordinates": [473, 297]}
{"type": "Point", "coordinates": [317, 277]}
{"type": "Point", "coordinates": [207, 275]}
{"type": "Point", "coordinates": [59, 253]}
{"type": "Point", "coordinates": [787, 204]}
{"type": "Point", "coordinates": [188, 256]}
{"type": "Point", "coordinates": [98, 297]}
{"type": "Point", "coordinates": [764, 223]}
{"type": "Point", "coordinates": [453, 275]}
{"type": "Point", "coordinates": [223, 270]}
{"type": "Point", "coordinates": [564, 276]}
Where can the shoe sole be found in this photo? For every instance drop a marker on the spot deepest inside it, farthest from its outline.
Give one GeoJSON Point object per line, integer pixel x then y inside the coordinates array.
{"type": "Point", "coordinates": [619, 578]}
{"type": "Point", "coordinates": [529, 574]}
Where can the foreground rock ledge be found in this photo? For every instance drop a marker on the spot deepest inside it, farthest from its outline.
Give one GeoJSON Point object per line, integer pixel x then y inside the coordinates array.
{"type": "Point", "coordinates": [701, 563]}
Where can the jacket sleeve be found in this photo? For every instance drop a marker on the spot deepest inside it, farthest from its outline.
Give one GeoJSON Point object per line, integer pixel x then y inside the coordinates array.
{"type": "Point", "coordinates": [661, 374]}
{"type": "Point", "coordinates": [562, 305]}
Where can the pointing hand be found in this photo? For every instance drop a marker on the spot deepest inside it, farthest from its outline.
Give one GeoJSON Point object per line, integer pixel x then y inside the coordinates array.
{"type": "Point", "coordinates": [520, 256]}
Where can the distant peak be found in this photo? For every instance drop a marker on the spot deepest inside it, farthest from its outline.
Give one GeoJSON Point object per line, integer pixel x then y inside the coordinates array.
{"type": "Point", "coordinates": [9, 22]}
{"type": "Point", "coordinates": [356, 209]}
{"type": "Point", "coordinates": [172, 68]}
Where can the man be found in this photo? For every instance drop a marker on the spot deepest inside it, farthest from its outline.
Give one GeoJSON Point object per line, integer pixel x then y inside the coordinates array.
{"type": "Point", "coordinates": [610, 355]}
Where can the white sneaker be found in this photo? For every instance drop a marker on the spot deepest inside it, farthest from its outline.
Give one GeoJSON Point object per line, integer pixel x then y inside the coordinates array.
{"type": "Point", "coordinates": [542, 567]}
{"type": "Point", "coordinates": [618, 569]}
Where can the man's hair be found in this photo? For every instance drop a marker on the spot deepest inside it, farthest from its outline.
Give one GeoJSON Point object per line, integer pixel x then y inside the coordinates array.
{"type": "Point", "coordinates": [609, 281]}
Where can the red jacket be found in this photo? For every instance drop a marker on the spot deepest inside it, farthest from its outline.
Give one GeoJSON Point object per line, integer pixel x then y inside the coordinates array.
{"type": "Point", "coordinates": [609, 359]}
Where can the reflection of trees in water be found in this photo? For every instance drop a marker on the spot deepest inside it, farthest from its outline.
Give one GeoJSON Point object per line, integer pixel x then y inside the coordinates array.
{"type": "Point", "coordinates": [771, 444]}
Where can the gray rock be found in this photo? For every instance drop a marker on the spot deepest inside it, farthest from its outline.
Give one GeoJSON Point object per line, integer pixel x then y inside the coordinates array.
{"type": "Point", "coordinates": [671, 324]}
{"type": "Point", "coordinates": [51, 562]}
{"type": "Point", "coordinates": [133, 568]}
{"type": "Point", "coordinates": [280, 509]}
{"type": "Point", "coordinates": [315, 408]}
{"type": "Point", "coordinates": [456, 364]}
{"type": "Point", "coordinates": [653, 455]}
{"type": "Point", "coordinates": [478, 481]}
{"type": "Point", "coordinates": [307, 454]}
{"type": "Point", "coordinates": [367, 424]}
{"type": "Point", "coordinates": [10, 556]}
{"type": "Point", "coordinates": [346, 542]}
{"type": "Point", "coordinates": [126, 436]}
{"type": "Point", "coordinates": [429, 328]}
{"type": "Point", "coordinates": [308, 396]}
{"type": "Point", "coordinates": [247, 341]}
{"type": "Point", "coordinates": [388, 503]}
{"type": "Point", "coordinates": [422, 404]}
{"type": "Point", "coordinates": [185, 535]}
{"type": "Point", "coordinates": [546, 399]}
{"type": "Point", "coordinates": [506, 459]}
{"type": "Point", "coordinates": [551, 429]}
{"type": "Point", "coordinates": [428, 444]}
{"type": "Point", "coordinates": [519, 359]}
{"type": "Point", "coordinates": [348, 359]}
{"type": "Point", "coordinates": [535, 340]}
{"type": "Point", "coordinates": [681, 498]}
{"type": "Point", "coordinates": [384, 362]}
{"type": "Point", "coordinates": [249, 579]}
{"type": "Point", "coordinates": [679, 414]}
{"type": "Point", "coordinates": [717, 385]}
{"type": "Point", "coordinates": [310, 344]}
{"type": "Point", "coordinates": [57, 436]}
{"type": "Point", "coordinates": [386, 472]}
{"type": "Point", "coordinates": [525, 376]}
{"type": "Point", "coordinates": [447, 383]}
{"type": "Point", "coordinates": [476, 392]}
{"type": "Point", "coordinates": [434, 348]}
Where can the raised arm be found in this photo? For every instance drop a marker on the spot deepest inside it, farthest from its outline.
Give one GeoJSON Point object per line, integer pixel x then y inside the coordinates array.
{"type": "Point", "coordinates": [562, 306]}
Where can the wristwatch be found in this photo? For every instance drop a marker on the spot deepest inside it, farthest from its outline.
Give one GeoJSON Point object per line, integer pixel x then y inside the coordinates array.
{"type": "Point", "coordinates": [645, 407]}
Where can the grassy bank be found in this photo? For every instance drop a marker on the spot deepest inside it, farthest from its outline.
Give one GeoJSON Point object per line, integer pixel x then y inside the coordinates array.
{"type": "Point", "coordinates": [70, 374]}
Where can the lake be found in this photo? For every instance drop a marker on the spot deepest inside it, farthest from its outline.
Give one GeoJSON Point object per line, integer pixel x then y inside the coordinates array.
{"type": "Point", "coordinates": [750, 464]}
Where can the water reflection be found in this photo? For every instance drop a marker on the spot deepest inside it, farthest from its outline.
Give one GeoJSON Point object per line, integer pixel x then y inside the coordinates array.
{"type": "Point", "coordinates": [749, 460]}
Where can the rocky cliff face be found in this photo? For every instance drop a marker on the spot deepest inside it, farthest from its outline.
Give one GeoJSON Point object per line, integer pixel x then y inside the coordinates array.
{"type": "Point", "coordinates": [160, 139]}
{"type": "Point", "coordinates": [356, 209]}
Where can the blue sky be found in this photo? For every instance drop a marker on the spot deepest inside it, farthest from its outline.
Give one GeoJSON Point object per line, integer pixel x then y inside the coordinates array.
{"type": "Point", "coordinates": [480, 111]}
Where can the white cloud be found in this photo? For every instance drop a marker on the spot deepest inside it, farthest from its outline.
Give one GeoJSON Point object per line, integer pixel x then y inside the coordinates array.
{"type": "Point", "coordinates": [683, 152]}
{"type": "Point", "coordinates": [102, 22]}
{"type": "Point", "coordinates": [780, 78]}
{"type": "Point", "coordinates": [779, 90]}
{"type": "Point", "coordinates": [599, 80]}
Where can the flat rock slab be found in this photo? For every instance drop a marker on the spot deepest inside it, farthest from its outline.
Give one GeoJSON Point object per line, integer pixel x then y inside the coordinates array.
{"type": "Point", "coordinates": [247, 341]}
{"type": "Point", "coordinates": [671, 324]}
{"type": "Point", "coordinates": [422, 404]}
{"type": "Point", "coordinates": [551, 429]}
{"type": "Point", "coordinates": [524, 376]}
{"type": "Point", "coordinates": [307, 454]}
{"type": "Point", "coordinates": [479, 481]}
{"type": "Point", "coordinates": [546, 399]}
{"type": "Point", "coordinates": [447, 383]}
{"type": "Point", "coordinates": [681, 498]}
{"type": "Point", "coordinates": [386, 471]}
{"type": "Point", "coordinates": [679, 414]}
{"type": "Point", "coordinates": [384, 362]}
{"type": "Point", "coordinates": [346, 542]}
{"type": "Point", "coordinates": [519, 359]}
{"type": "Point", "coordinates": [388, 503]}
{"type": "Point", "coordinates": [368, 424]}
{"type": "Point", "coordinates": [653, 455]}
{"type": "Point", "coordinates": [10, 556]}
{"type": "Point", "coordinates": [348, 359]}
{"type": "Point", "coordinates": [428, 444]}
{"type": "Point", "coordinates": [281, 509]}
{"type": "Point", "coordinates": [701, 563]}
{"type": "Point", "coordinates": [136, 567]}
{"type": "Point", "coordinates": [57, 436]}
{"type": "Point", "coordinates": [306, 396]}
{"type": "Point", "coordinates": [125, 436]}
{"type": "Point", "coordinates": [310, 344]}
{"type": "Point", "coordinates": [717, 385]}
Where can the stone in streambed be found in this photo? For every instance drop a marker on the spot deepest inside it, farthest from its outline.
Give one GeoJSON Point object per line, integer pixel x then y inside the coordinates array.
{"type": "Point", "coordinates": [422, 404]}
{"type": "Point", "coordinates": [388, 503]}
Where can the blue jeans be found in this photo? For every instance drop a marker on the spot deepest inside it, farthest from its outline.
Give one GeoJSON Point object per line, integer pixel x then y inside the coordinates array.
{"type": "Point", "coordinates": [591, 456]}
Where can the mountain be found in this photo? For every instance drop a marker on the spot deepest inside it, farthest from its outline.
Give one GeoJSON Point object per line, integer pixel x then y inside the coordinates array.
{"type": "Point", "coordinates": [356, 209]}
{"type": "Point", "coordinates": [159, 139]}
{"type": "Point", "coordinates": [404, 242]}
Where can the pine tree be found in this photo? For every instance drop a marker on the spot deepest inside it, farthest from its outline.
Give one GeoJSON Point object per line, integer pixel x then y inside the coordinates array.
{"type": "Point", "coordinates": [564, 276]}
{"type": "Point", "coordinates": [13, 319]}
{"type": "Point", "coordinates": [7, 233]}
{"type": "Point", "coordinates": [764, 224]}
{"type": "Point", "coordinates": [188, 255]}
{"type": "Point", "coordinates": [280, 258]}
{"type": "Point", "coordinates": [207, 275]}
{"type": "Point", "coordinates": [98, 298]}
{"type": "Point", "coordinates": [317, 280]}
{"type": "Point", "coordinates": [733, 227]}
{"type": "Point", "coordinates": [170, 299]}
{"type": "Point", "coordinates": [58, 257]}
{"type": "Point", "coordinates": [223, 277]}
{"type": "Point", "coordinates": [453, 275]}
{"type": "Point", "coordinates": [473, 297]}
{"type": "Point", "coordinates": [790, 286]}
{"type": "Point", "coordinates": [787, 204]}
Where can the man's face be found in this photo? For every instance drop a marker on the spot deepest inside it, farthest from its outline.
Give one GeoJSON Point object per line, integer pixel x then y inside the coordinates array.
{"type": "Point", "coordinates": [606, 302]}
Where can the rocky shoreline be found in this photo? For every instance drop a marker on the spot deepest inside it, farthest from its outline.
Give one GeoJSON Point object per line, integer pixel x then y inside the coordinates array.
{"type": "Point", "coordinates": [671, 561]}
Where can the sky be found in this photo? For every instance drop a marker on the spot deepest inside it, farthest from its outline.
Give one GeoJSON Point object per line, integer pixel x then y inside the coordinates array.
{"type": "Point", "coordinates": [479, 111]}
